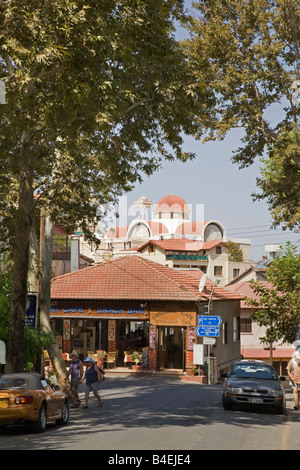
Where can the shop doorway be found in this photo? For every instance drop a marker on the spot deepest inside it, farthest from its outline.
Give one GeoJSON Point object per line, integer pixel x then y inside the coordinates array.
{"type": "Point", "coordinates": [171, 345]}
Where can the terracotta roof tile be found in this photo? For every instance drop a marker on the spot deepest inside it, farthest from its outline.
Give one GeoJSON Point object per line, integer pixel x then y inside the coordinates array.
{"type": "Point", "coordinates": [182, 244]}
{"type": "Point", "coordinates": [133, 277]}
{"type": "Point", "coordinates": [244, 289]}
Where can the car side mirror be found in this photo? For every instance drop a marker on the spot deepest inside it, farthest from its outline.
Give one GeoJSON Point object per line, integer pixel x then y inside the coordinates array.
{"type": "Point", "coordinates": [224, 375]}
{"type": "Point", "coordinates": [282, 378]}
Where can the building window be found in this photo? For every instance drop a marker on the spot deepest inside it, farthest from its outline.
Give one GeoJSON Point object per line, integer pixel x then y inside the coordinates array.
{"type": "Point", "coordinates": [246, 325]}
{"type": "Point", "coordinates": [236, 328]}
{"type": "Point", "coordinates": [218, 270]}
{"type": "Point", "coordinates": [203, 269]}
{"type": "Point", "coordinates": [218, 250]}
{"type": "Point", "coordinates": [236, 272]}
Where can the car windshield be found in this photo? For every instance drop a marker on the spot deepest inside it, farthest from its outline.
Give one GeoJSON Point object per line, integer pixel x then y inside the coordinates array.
{"type": "Point", "coordinates": [9, 384]}
{"type": "Point", "coordinates": [253, 371]}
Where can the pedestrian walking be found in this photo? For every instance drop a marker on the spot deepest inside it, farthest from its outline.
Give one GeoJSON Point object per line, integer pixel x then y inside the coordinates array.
{"type": "Point", "coordinates": [76, 372]}
{"type": "Point", "coordinates": [92, 379]}
{"type": "Point", "coordinates": [293, 370]}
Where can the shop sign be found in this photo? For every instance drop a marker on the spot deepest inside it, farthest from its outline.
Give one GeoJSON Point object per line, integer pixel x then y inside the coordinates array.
{"type": "Point", "coordinates": [31, 310]}
{"type": "Point", "coordinates": [98, 312]}
{"type": "Point", "coordinates": [173, 318]}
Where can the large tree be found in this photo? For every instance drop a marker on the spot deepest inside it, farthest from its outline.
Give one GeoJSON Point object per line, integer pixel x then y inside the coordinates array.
{"type": "Point", "coordinates": [278, 308]}
{"type": "Point", "coordinates": [248, 54]}
{"type": "Point", "coordinates": [97, 94]}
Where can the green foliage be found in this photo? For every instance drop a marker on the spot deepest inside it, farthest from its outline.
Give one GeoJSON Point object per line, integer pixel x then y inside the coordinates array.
{"type": "Point", "coordinates": [246, 53]}
{"type": "Point", "coordinates": [278, 308]}
{"type": "Point", "coordinates": [280, 186]}
{"type": "Point", "coordinates": [5, 287]}
{"type": "Point", "coordinates": [34, 340]}
{"type": "Point", "coordinates": [100, 91]}
{"type": "Point", "coordinates": [235, 253]}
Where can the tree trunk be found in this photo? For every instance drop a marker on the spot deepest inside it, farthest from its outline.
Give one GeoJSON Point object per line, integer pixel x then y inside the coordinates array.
{"type": "Point", "coordinates": [34, 262]}
{"type": "Point", "coordinates": [23, 225]}
{"type": "Point", "coordinates": [45, 304]}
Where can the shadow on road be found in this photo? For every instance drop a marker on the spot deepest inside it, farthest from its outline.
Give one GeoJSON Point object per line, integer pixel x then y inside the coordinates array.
{"type": "Point", "coordinates": [141, 402]}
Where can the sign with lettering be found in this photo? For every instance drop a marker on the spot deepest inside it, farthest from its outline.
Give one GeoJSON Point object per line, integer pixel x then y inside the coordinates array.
{"type": "Point", "coordinates": [31, 310]}
{"type": "Point", "coordinates": [173, 318]}
{"type": "Point", "coordinates": [208, 331]}
{"type": "Point", "coordinates": [82, 311]}
{"type": "Point", "coordinates": [209, 320]}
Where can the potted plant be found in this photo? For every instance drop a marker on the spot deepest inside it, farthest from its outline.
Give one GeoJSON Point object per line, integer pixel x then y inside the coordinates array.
{"type": "Point", "coordinates": [100, 357]}
{"type": "Point", "coordinates": [137, 358]}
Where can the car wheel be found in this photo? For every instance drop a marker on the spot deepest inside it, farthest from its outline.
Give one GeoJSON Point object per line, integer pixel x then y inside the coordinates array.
{"type": "Point", "coordinates": [64, 414]}
{"type": "Point", "coordinates": [281, 410]}
{"type": "Point", "coordinates": [41, 423]}
{"type": "Point", "coordinates": [226, 405]}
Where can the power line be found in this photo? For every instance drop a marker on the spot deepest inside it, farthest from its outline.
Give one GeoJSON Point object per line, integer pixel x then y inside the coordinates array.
{"type": "Point", "coordinates": [244, 228]}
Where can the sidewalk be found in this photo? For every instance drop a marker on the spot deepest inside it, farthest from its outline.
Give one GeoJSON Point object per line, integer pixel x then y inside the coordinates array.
{"type": "Point", "coordinates": [128, 371]}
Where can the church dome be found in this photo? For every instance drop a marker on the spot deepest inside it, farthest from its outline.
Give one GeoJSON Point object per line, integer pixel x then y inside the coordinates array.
{"type": "Point", "coordinates": [171, 202]}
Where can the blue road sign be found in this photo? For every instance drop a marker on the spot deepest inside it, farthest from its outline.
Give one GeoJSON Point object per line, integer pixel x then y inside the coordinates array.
{"type": "Point", "coordinates": [209, 320]}
{"type": "Point", "coordinates": [208, 331]}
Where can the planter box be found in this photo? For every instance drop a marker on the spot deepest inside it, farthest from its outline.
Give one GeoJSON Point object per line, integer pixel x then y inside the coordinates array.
{"type": "Point", "coordinates": [137, 368]}
{"type": "Point", "coordinates": [201, 379]}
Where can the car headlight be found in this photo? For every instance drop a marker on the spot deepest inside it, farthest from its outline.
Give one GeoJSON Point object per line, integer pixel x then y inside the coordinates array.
{"type": "Point", "coordinates": [234, 390]}
{"type": "Point", "coordinates": [276, 392]}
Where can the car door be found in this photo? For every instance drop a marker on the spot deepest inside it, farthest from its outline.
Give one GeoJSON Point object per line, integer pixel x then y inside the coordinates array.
{"type": "Point", "coordinates": [53, 399]}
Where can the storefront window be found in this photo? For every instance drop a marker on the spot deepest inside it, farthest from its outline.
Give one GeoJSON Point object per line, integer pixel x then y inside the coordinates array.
{"type": "Point", "coordinates": [133, 335]}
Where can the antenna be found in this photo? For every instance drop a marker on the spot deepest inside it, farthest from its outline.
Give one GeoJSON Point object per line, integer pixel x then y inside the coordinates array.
{"type": "Point", "coordinates": [202, 282]}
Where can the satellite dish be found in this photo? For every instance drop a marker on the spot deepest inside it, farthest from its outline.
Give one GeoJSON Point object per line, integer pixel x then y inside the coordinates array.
{"type": "Point", "coordinates": [202, 282]}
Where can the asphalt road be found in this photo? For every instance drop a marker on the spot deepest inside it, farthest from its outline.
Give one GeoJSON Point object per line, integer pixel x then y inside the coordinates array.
{"type": "Point", "coordinates": [161, 414]}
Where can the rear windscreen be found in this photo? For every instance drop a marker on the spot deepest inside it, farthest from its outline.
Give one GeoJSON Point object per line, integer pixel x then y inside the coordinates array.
{"type": "Point", "coordinates": [9, 384]}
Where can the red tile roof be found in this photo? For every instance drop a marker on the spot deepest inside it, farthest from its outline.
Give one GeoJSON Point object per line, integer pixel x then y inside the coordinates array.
{"type": "Point", "coordinates": [133, 278]}
{"type": "Point", "coordinates": [244, 289]}
{"type": "Point", "coordinates": [182, 244]}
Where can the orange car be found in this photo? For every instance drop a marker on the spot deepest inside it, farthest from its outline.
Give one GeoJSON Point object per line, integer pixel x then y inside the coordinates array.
{"type": "Point", "coordinates": [26, 398]}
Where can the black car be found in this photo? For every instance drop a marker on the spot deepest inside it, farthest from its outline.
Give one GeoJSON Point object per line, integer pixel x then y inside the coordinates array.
{"type": "Point", "coordinates": [253, 383]}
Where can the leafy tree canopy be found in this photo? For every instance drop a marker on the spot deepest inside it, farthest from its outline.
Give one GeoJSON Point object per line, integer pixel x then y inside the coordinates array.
{"type": "Point", "coordinates": [278, 308]}
{"type": "Point", "coordinates": [97, 94]}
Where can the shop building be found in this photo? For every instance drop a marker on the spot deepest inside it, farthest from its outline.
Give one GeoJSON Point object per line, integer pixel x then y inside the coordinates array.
{"type": "Point", "coordinates": [134, 304]}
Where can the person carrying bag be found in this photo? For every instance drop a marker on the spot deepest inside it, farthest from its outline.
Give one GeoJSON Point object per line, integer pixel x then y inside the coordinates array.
{"type": "Point", "coordinates": [92, 377]}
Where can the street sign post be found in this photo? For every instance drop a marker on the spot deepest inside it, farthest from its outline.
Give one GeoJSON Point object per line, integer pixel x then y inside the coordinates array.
{"type": "Point", "coordinates": [209, 320]}
{"type": "Point", "coordinates": [208, 327]}
{"type": "Point", "coordinates": [207, 331]}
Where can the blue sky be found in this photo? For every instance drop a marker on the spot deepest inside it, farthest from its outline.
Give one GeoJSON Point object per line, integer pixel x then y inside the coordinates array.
{"type": "Point", "coordinates": [225, 191]}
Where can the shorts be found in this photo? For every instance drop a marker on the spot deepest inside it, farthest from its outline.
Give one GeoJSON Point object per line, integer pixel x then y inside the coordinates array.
{"type": "Point", "coordinates": [294, 385]}
{"type": "Point", "coordinates": [94, 387]}
{"type": "Point", "coordinates": [75, 383]}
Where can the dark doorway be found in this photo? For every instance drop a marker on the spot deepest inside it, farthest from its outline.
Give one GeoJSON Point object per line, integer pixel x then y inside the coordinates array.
{"type": "Point", "coordinates": [171, 347]}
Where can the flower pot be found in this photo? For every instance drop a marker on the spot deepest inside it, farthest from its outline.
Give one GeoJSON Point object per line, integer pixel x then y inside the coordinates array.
{"type": "Point", "coordinates": [137, 368]}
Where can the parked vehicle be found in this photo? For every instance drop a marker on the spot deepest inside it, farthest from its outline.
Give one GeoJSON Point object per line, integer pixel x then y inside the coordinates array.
{"type": "Point", "coordinates": [253, 383]}
{"type": "Point", "coordinates": [27, 398]}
